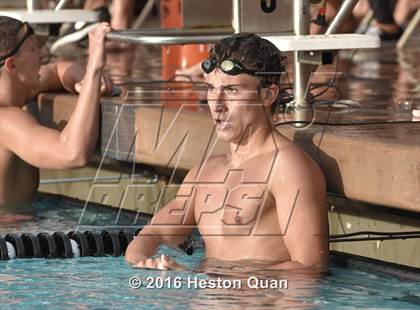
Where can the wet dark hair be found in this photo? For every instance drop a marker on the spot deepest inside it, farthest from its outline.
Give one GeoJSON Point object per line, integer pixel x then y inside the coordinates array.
{"type": "Point", "coordinates": [9, 29]}
{"type": "Point", "coordinates": [254, 53]}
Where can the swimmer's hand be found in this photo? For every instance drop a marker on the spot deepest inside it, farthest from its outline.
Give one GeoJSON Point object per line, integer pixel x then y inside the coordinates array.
{"type": "Point", "coordinates": [97, 54]}
{"type": "Point", "coordinates": [106, 85]}
{"type": "Point", "coordinates": [97, 58]}
{"type": "Point", "coordinates": [161, 263]}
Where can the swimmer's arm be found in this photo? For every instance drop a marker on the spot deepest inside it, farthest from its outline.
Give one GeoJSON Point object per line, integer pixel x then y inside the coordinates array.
{"type": "Point", "coordinates": [300, 196]}
{"type": "Point", "coordinates": [63, 76]}
{"type": "Point", "coordinates": [162, 229]}
{"type": "Point", "coordinates": [170, 226]}
{"type": "Point", "coordinates": [47, 148]}
{"type": "Point", "coordinates": [59, 76]}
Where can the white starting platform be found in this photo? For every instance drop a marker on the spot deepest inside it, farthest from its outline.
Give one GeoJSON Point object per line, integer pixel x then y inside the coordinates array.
{"type": "Point", "coordinates": [52, 16]}
{"type": "Point", "coordinates": [324, 42]}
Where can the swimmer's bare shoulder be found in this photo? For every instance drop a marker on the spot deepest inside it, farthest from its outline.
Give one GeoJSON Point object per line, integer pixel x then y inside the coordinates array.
{"type": "Point", "coordinates": [293, 156]}
{"type": "Point", "coordinates": [16, 128]}
{"type": "Point", "coordinates": [12, 118]}
{"type": "Point", "coordinates": [7, 119]}
{"type": "Point", "coordinates": [299, 190]}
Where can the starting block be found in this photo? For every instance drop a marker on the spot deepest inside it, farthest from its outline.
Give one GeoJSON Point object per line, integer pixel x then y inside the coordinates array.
{"type": "Point", "coordinates": [52, 16]}
{"type": "Point", "coordinates": [324, 42]}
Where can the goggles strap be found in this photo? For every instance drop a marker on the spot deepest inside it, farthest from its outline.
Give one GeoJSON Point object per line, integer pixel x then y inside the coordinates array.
{"type": "Point", "coordinates": [28, 32]}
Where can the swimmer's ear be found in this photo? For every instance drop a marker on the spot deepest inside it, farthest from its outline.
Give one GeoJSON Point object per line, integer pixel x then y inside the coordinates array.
{"type": "Point", "coordinates": [9, 65]}
{"type": "Point", "coordinates": [269, 95]}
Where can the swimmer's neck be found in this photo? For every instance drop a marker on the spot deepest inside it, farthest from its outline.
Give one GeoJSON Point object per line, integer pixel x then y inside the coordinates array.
{"type": "Point", "coordinates": [12, 95]}
{"type": "Point", "coordinates": [256, 142]}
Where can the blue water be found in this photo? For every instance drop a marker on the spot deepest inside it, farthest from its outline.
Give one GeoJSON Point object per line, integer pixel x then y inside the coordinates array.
{"type": "Point", "coordinates": [54, 213]}
{"type": "Point", "coordinates": [103, 283]}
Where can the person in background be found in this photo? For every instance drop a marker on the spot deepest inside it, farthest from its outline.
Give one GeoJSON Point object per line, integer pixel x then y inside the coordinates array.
{"type": "Point", "coordinates": [383, 14]}
{"type": "Point", "coordinates": [405, 10]}
{"type": "Point", "coordinates": [389, 17]}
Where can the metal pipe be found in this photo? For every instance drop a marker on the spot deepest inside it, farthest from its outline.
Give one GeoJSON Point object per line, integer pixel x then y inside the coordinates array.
{"type": "Point", "coordinates": [301, 20]}
{"type": "Point", "coordinates": [32, 5]}
{"type": "Point", "coordinates": [61, 4]}
{"type": "Point", "coordinates": [236, 14]}
{"type": "Point", "coordinates": [302, 72]}
{"type": "Point", "coordinates": [176, 31]}
{"type": "Point", "coordinates": [344, 11]}
{"type": "Point", "coordinates": [170, 36]}
{"type": "Point", "coordinates": [301, 17]}
{"type": "Point", "coordinates": [144, 14]}
{"type": "Point", "coordinates": [409, 31]}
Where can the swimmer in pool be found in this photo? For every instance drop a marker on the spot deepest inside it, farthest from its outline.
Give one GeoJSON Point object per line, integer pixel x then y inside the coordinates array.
{"type": "Point", "coordinates": [25, 145]}
{"type": "Point", "coordinates": [266, 200]}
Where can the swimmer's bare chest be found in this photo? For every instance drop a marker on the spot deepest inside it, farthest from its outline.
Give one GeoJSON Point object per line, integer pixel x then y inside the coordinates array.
{"type": "Point", "coordinates": [18, 180]}
{"type": "Point", "coordinates": [236, 212]}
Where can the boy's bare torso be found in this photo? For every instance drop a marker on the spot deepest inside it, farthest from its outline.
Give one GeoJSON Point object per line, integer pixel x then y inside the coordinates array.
{"type": "Point", "coordinates": [234, 209]}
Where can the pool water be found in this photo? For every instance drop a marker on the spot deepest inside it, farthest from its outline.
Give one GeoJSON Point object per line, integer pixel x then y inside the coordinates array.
{"type": "Point", "coordinates": [103, 282]}
{"type": "Point", "coordinates": [99, 283]}
{"type": "Point", "coordinates": [55, 213]}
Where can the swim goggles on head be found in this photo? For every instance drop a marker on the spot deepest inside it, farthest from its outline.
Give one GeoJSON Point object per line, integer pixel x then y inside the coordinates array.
{"type": "Point", "coordinates": [227, 66]}
{"type": "Point", "coordinates": [28, 32]}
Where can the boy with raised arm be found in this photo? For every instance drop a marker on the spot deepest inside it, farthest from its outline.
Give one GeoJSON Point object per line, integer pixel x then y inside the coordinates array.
{"type": "Point", "coordinates": [25, 145]}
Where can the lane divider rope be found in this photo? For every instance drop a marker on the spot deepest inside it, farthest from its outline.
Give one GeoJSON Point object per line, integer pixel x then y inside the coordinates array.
{"type": "Point", "coordinates": [61, 245]}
